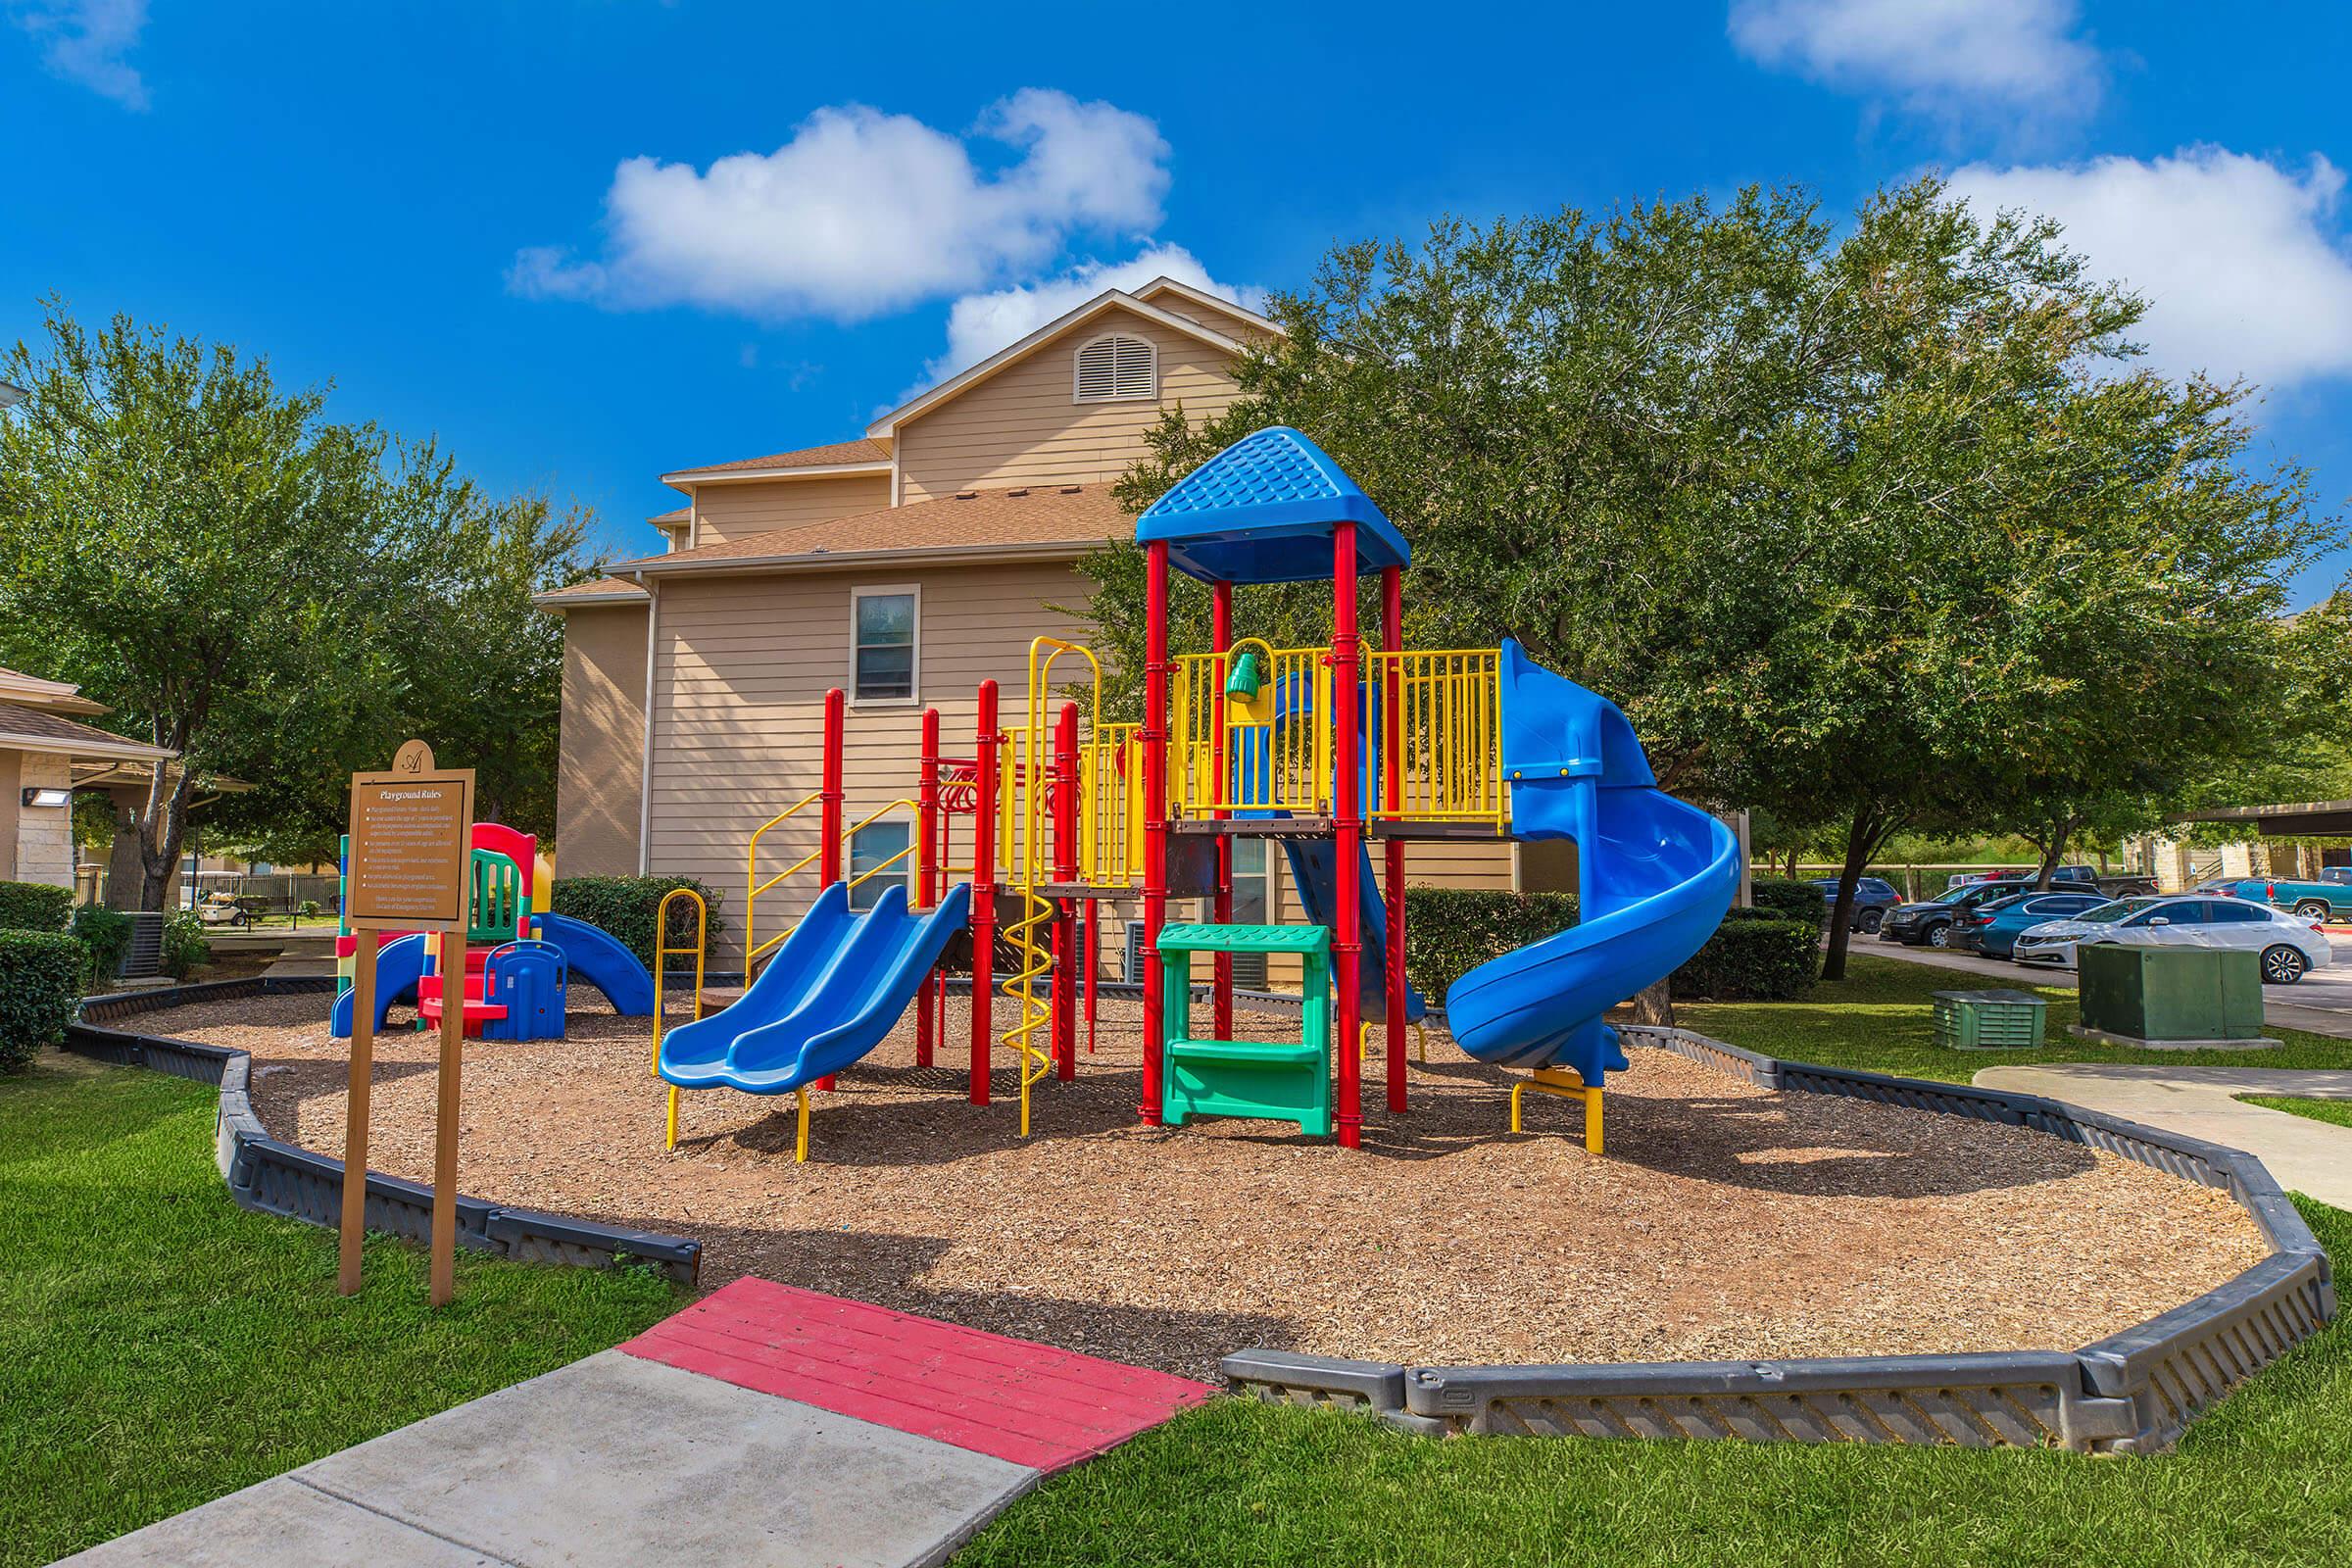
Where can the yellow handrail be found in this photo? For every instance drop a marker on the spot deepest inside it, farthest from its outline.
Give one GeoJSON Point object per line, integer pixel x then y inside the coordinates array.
{"type": "Point", "coordinates": [755, 951]}
{"type": "Point", "coordinates": [752, 887]}
{"type": "Point", "coordinates": [663, 953]}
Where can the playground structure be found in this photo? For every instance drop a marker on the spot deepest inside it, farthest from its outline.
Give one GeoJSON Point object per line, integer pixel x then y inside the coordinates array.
{"type": "Point", "coordinates": [520, 960]}
{"type": "Point", "coordinates": [1325, 750]}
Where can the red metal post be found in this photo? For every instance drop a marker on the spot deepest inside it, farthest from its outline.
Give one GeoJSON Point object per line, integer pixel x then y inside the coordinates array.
{"type": "Point", "coordinates": [1094, 962]}
{"type": "Point", "coordinates": [926, 873]}
{"type": "Point", "coordinates": [1392, 755]}
{"type": "Point", "coordinates": [1065, 869]}
{"type": "Point", "coordinates": [1153, 738]}
{"type": "Point", "coordinates": [828, 806]}
{"type": "Point", "coordinates": [1220, 605]}
{"type": "Point", "coordinates": [1347, 832]}
{"type": "Point", "coordinates": [984, 889]}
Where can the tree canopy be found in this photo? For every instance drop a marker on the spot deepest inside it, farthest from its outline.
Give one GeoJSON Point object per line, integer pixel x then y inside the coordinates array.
{"type": "Point", "coordinates": [1863, 525]}
{"type": "Point", "coordinates": [277, 596]}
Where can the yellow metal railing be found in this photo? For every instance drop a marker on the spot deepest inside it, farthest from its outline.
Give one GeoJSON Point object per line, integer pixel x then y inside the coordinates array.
{"type": "Point", "coordinates": [755, 950]}
{"type": "Point", "coordinates": [1110, 805]}
{"type": "Point", "coordinates": [1449, 713]}
{"type": "Point", "coordinates": [663, 952]}
{"type": "Point", "coordinates": [1271, 760]}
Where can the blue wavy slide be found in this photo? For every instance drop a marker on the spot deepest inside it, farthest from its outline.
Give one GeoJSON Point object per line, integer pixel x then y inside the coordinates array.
{"type": "Point", "coordinates": [833, 991]}
{"type": "Point", "coordinates": [1654, 876]}
{"type": "Point", "coordinates": [596, 956]}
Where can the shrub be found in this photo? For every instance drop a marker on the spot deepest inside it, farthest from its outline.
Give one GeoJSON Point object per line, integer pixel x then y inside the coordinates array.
{"type": "Point", "coordinates": [1450, 931]}
{"type": "Point", "coordinates": [1755, 955]}
{"type": "Point", "coordinates": [33, 907]}
{"type": "Point", "coordinates": [1791, 899]}
{"type": "Point", "coordinates": [104, 938]}
{"type": "Point", "coordinates": [624, 906]}
{"type": "Point", "coordinates": [40, 980]}
{"type": "Point", "coordinates": [186, 949]}
{"type": "Point", "coordinates": [307, 908]}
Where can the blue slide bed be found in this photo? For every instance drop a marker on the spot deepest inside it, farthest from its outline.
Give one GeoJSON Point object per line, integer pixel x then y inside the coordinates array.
{"type": "Point", "coordinates": [596, 957]}
{"type": "Point", "coordinates": [833, 991]}
{"type": "Point", "coordinates": [1654, 876]}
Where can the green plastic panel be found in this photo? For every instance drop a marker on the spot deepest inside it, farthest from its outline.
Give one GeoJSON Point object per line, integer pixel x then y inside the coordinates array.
{"type": "Point", "coordinates": [1280, 1081]}
{"type": "Point", "coordinates": [1244, 939]}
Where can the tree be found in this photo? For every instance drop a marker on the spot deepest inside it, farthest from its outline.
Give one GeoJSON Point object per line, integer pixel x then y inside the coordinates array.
{"type": "Point", "coordinates": [1860, 530]}
{"type": "Point", "coordinates": [246, 582]}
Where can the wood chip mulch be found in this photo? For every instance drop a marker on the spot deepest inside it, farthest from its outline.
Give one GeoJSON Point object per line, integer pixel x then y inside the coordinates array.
{"type": "Point", "coordinates": [1725, 1223]}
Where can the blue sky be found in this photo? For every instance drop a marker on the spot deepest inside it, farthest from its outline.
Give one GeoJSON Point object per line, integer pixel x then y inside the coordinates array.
{"type": "Point", "coordinates": [588, 242]}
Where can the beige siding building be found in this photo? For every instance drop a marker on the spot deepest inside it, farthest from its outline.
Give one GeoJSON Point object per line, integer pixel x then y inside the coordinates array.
{"type": "Point", "coordinates": [905, 567]}
{"type": "Point", "coordinates": [46, 752]}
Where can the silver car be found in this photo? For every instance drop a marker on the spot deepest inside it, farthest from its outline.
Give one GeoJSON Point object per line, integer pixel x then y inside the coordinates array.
{"type": "Point", "coordinates": [2288, 945]}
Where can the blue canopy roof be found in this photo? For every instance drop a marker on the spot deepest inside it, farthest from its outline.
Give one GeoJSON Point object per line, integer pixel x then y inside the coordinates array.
{"type": "Point", "coordinates": [1264, 509]}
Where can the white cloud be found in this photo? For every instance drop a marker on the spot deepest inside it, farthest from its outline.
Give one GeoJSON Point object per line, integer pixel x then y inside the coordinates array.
{"type": "Point", "coordinates": [86, 40]}
{"type": "Point", "coordinates": [979, 324]}
{"type": "Point", "coordinates": [2245, 268]}
{"type": "Point", "coordinates": [1930, 54]}
{"type": "Point", "coordinates": [862, 213]}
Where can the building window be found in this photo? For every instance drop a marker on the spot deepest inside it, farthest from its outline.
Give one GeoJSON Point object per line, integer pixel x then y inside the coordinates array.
{"type": "Point", "coordinates": [1116, 369]}
{"type": "Point", "coordinates": [871, 846]}
{"type": "Point", "coordinates": [882, 638]}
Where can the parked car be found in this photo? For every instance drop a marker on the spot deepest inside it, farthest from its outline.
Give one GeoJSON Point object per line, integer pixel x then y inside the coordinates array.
{"type": "Point", "coordinates": [2287, 945]}
{"type": "Point", "coordinates": [1992, 929]}
{"type": "Point", "coordinates": [2074, 877]}
{"type": "Point", "coordinates": [2317, 900]}
{"type": "Point", "coordinates": [1874, 895]}
{"type": "Point", "coordinates": [1930, 923]}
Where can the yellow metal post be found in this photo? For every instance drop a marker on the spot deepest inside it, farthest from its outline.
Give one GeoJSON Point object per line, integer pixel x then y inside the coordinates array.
{"type": "Point", "coordinates": [1567, 1083]}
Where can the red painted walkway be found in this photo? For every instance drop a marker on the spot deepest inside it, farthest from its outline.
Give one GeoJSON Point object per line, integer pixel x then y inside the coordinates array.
{"type": "Point", "coordinates": [1014, 1400]}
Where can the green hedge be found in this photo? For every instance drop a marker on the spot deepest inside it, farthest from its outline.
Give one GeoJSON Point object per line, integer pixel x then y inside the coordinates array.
{"type": "Point", "coordinates": [185, 946]}
{"type": "Point", "coordinates": [1758, 954]}
{"type": "Point", "coordinates": [1452, 931]}
{"type": "Point", "coordinates": [105, 937]}
{"type": "Point", "coordinates": [40, 980]}
{"type": "Point", "coordinates": [1791, 899]}
{"type": "Point", "coordinates": [624, 908]}
{"type": "Point", "coordinates": [1754, 955]}
{"type": "Point", "coordinates": [33, 907]}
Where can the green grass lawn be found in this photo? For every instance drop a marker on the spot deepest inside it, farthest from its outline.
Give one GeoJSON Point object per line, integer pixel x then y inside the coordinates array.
{"type": "Point", "coordinates": [2265, 1479]}
{"type": "Point", "coordinates": [2338, 1112]}
{"type": "Point", "coordinates": [160, 1346]}
{"type": "Point", "coordinates": [1879, 1017]}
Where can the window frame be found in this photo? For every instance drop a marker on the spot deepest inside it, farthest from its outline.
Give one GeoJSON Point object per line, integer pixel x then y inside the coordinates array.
{"type": "Point", "coordinates": [866, 895]}
{"type": "Point", "coordinates": [861, 592]}
{"type": "Point", "coordinates": [1077, 375]}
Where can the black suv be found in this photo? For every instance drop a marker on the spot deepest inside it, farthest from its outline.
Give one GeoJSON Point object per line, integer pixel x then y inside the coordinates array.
{"type": "Point", "coordinates": [1930, 924]}
{"type": "Point", "coordinates": [1874, 895]}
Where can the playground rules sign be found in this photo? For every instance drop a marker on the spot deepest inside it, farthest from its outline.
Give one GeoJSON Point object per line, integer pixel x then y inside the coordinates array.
{"type": "Point", "coordinates": [409, 841]}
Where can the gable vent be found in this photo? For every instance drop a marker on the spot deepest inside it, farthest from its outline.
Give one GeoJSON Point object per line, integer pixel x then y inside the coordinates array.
{"type": "Point", "coordinates": [1116, 368]}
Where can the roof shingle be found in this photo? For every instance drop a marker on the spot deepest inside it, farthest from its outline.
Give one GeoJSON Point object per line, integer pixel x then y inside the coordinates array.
{"type": "Point", "coordinates": [827, 456]}
{"type": "Point", "coordinates": [1078, 516]}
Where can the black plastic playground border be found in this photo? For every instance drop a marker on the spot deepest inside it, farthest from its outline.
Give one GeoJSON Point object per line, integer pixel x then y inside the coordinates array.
{"type": "Point", "coordinates": [2131, 1392]}
{"type": "Point", "coordinates": [270, 1176]}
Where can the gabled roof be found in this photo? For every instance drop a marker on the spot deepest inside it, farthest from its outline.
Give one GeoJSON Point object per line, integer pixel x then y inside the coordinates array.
{"type": "Point", "coordinates": [1108, 300]}
{"type": "Point", "coordinates": [59, 696]}
{"type": "Point", "coordinates": [841, 457]}
{"type": "Point", "coordinates": [1160, 287]}
{"type": "Point", "coordinates": [594, 591]}
{"type": "Point", "coordinates": [1265, 510]}
{"type": "Point", "coordinates": [676, 518]}
{"type": "Point", "coordinates": [1053, 521]}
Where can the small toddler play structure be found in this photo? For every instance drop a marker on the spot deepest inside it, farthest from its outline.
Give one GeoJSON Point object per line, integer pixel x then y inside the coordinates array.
{"type": "Point", "coordinates": [1327, 752]}
{"type": "Point", "coordinates": [520, 959]}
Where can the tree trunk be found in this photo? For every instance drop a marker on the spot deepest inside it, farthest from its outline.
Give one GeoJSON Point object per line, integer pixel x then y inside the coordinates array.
{"type": "Point", "coordinates": [1655, 1007]}
{"type": "Point", "coordinates": [2052, 853]}
{"type": "Point", "coordinates": [1862, 838]}
{"type": "Point", "coordinates": [163, 830]}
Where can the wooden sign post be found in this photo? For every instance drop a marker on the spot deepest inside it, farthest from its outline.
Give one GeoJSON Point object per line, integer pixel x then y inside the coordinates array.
{"type": "Point", "coordinates": [411, 832]}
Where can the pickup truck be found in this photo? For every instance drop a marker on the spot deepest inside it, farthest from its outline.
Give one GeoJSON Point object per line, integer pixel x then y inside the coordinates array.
{"type": "Point", "coordinates": [2318, 900]}
{"type": "Point", "coordinates": [2070, 879]}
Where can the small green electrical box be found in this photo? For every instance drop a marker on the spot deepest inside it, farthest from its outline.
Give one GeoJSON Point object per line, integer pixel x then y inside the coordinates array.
{"type": "Point", "coordinates": [2171, 994]}
{"type": "Point", "coordinates": [1988, 1020]}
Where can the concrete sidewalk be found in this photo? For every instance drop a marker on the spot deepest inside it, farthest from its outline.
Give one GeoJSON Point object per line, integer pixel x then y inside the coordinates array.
{"type": "Point", "coordinates": [631, 1458]}
{"type": "Point", "coordinates": [2322, 1004]}
{"type": "Point", "coordinates": [2311, 1157]}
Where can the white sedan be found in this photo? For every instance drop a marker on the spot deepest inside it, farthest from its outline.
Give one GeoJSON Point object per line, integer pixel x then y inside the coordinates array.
{"type": "Point", "coordinates": [2290, 945]}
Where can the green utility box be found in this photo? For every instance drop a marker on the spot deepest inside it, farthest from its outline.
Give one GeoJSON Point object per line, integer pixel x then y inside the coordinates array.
{"type": "Point", "coordinates": [2171, 994]}
{"type": "Point", "coordinates": [1288, 1080]}
{"type": "Point", "coordinates": [1988, 1020]}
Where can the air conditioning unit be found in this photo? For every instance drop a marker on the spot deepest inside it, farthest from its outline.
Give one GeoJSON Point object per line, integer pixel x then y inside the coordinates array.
{"type": "Point", "coordinates": [1131, 969]}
